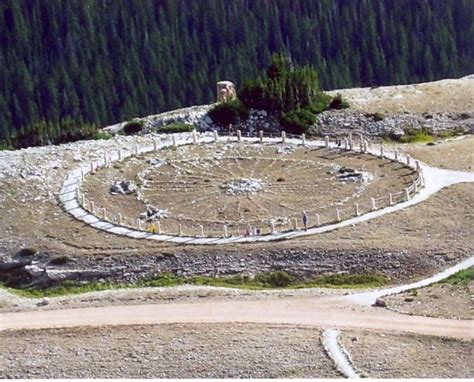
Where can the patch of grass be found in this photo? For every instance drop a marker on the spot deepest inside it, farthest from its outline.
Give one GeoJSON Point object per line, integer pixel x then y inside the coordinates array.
{"type": "Point", "coordinates": [266, 280]}
{"type": "Point", "coordinates": [67, 287]}
{"type": "Point", "coordinates": [100, 135]}
{"type": "Point", "coordinates": [445, 134]}
{"type": "Point", "coordinates": [367, 280]}
{"type": "Point", "coordinates": [411, 135]}
{"type": "Point", "coordinates": [378, 116]}
{"type": "Point", "coordinates": [415, 136]}
{"type": "Point", "coordinates": [25, 252]}
{"type": "Point", "coordinates": [175, 128]}
{"type": "Point", "coordinates": [461, 278]}
{"type": "Point", "coordinates": [133, 127]}
{"type": "Point", "coordinates": [60, 260]}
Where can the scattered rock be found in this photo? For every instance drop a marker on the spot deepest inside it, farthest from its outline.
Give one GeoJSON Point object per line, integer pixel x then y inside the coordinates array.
{"type": "Point", "coordinates": [123, 187]}
{"type": "Point", "coordinates": [43, 302]}
{"type": "Point", "coordinates": [153, 214]}
{"type": "Point", "coordinates": [380, 303]}
{"type": "Point", "coordinates": [244, 186]}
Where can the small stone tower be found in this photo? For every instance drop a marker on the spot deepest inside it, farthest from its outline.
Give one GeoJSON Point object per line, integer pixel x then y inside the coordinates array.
{"type": "Point", "coordinates": [225, 91]}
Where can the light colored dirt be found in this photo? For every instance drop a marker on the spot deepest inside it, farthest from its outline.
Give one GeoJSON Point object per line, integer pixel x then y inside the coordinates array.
{"type": "Point", "coordinates": [439, 300]}
{"type": "Point", "coordinates": [450, 95]}
{"type": "Point", "coordinates": [166, 351]}
{"type": "Point", "coordinates": [454, 154]}
{"type": "Point", "coordinates": [383, 355]}
{"type": "Point", "coordinates": [165, 295]}
{"type": "Point", "coordinates": [330, 311]}
{"type": "Point", "coordinates": [442, 224]}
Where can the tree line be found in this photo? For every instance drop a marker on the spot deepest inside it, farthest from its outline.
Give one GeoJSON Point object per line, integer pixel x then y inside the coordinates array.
{"type": "Point", "coordinates": [99, 62]}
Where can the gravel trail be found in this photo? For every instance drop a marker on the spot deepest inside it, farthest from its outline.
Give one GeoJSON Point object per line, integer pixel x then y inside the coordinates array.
{"type": "Point", "coordinates": [316, 312]}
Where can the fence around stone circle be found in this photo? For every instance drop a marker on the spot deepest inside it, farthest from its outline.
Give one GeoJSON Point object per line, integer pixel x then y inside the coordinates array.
{"type": "Point", "coordinates": [72, 198]}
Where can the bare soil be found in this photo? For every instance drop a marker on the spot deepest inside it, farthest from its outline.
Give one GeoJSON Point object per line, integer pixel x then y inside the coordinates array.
{"type": "Point", "coordinates": [382, 355]}
{"type": "Point", "coordinates": [192, 186]}
{"type": "Point", "coordinates": [449, 95]}
{"type": "Point", "coordinates": [453, 154]}
{"type": "Point", "coordinates": [439, 300]}
{"type": "Point", "coordinates": [166, 351]}
{"type": "Point", "coordinates": [161, 295]}
{"type": "Point", "coordinates": [31, 217]}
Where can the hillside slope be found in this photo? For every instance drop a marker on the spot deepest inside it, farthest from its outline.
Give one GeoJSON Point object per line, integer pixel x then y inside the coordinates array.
{"type": "Point", "coordinates": [444, 96]}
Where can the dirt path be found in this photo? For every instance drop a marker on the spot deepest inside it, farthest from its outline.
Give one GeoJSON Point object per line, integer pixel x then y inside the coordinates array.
{"type": "Point", "coordinates": [331, 312]}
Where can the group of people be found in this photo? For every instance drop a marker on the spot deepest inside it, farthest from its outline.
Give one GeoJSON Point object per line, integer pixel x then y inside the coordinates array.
{"type": "Point", "coordinates": [256, 231]}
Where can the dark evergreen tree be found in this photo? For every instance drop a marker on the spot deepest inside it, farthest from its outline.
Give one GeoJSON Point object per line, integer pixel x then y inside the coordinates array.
{"type": "Point", "coordinates": [105, 61]}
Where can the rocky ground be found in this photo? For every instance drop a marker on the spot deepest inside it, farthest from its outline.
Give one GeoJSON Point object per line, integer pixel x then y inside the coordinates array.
{"type": "Point", "coordinates": [31, 217]}
{"type": "Point", "coordinates": [397, 265]}
{"type": "Point", "coordinates": [405, 245]}
{"type": "Point", "coordinates": [166, 351]}
{"type": "Point", "coordinates": [436, 106]}
{"type": "Point", "coordinates": [444, 96]}
{"type": "Point", "coordinates": [383, 355]}
{"type": "Point", "coordinates": [439, 300]}
{"type": "Point", "coordinates": [190, 184]}
{"type": "Point", "coordinates": [453, 154]}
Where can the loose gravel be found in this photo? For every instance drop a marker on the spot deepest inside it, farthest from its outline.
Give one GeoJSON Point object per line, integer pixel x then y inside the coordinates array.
{"type": "Point", "coordinates": [166, 351]}
{"type": "Point", "coordinates": [379, 355]}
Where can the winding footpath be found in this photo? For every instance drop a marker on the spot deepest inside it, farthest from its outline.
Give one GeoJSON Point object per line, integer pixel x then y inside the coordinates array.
{"type": "Point", "coordinates": [350, 311]}
{"type": "Point", "coordinates": [353, 311]}
{"type": "Point", "coordinates": [434, 180]}
{"type": "Point", "coordinates": [322, 312]}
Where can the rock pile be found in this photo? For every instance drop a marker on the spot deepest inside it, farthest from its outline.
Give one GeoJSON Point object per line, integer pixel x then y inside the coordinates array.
{"type": "Point", "coordinates": [335, 122]}
{"type": "Point", "coordinates": [244, 186]}
{"type": "Point", "coordinates": [123, 187]}
{"type": "Point", "coordinates": [153, 213]}
{"type": "Point", "coordinates": [399, 266]}
{"type": "Point", "coordinates": [194, 115]}
{"type": "Point", "coordinates": [350, 175]}
{"type": "Point", "coordinates": [331, 122]}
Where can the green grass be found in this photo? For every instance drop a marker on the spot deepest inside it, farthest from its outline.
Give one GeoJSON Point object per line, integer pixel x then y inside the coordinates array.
{"type": "Point", "coordinates": [457, 131]}
{"type": "Point", "coordinates": [417, 137]}
{"type": "Point", "coordinates": [261, 281]}
{"type": "Point", "coordinates": [177, 127]}
{"type": "Point", "coordinates": [461, 278]}
{"type": "Point", "coordinates": [411, 135]}
{"type": "Point", "coordinates": [100, 135]}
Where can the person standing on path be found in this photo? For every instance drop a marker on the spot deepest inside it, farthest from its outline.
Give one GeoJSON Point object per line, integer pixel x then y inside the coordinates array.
{"type": "Point", "coordinates": [305, 220]}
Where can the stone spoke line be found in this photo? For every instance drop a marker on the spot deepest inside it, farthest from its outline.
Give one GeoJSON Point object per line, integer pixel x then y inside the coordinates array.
{"type": "Point", "coordinates": [430, 181]}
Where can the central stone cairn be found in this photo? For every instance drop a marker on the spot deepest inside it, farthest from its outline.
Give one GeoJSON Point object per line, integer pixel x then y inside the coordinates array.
{"type": "Point", "coordinates": [243, 186]}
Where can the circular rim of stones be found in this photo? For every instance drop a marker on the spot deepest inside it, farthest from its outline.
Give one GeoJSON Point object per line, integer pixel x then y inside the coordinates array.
{"type": "Point", "coordinates": [70, 196]}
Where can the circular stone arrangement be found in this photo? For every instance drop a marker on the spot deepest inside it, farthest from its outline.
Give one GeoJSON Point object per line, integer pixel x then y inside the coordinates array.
{"type": "Point", "coordinates": [239, 189]}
